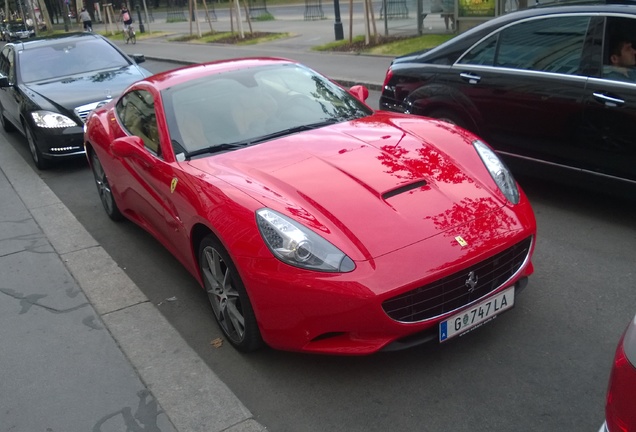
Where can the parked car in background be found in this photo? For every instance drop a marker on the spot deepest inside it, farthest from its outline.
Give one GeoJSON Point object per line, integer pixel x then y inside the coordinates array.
{"type": "Point", "coordinates": [48, 87]}
{"type": "Point", "coordinates": [536, 85]}
{"type": "Point", "coordinates": [314, 223]}
{"type": "Point", "coordinates": [620, 408]}
{"type": "Point", "coordinates": [15, 30]}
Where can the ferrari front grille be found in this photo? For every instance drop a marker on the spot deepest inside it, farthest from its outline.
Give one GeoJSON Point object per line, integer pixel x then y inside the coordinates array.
{"type": "Point", "coordinates": [459, 289]}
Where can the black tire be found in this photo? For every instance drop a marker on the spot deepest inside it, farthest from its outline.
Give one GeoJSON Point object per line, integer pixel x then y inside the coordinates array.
{"type": "Point", "coordinates": [448, 116]}
{"type": "Point", "coordinates": [40, 162]}
{"type": "Point", "coordinates": [228, 297]}
{"type": "Point", "coordinates": [133, 39]}
{"type": "Point", "coordinates": [103, 189]}
{"type": "Point", "coordinates": [6, 124]}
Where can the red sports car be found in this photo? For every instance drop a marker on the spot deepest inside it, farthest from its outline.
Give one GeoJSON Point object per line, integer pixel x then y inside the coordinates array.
{"type": "Point", "coordinates": [314, 223]}
{"type": "Point", "coordinates": [620, 408]}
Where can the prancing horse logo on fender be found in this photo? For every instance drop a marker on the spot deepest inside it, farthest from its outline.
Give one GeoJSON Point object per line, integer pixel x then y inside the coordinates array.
{"type": "Point", "coordinates": [471, 282]}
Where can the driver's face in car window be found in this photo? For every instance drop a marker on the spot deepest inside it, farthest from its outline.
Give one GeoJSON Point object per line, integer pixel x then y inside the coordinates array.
{"type": "Point", "coordinates": [627, 56]}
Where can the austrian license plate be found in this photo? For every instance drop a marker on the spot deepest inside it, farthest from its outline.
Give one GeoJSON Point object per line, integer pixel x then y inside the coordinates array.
{"type": "Point", "coordinates": [478, 314]}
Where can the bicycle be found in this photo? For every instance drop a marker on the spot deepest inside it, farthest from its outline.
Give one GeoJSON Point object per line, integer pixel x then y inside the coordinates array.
{"type": "Point", "coordinates": [129, 34]}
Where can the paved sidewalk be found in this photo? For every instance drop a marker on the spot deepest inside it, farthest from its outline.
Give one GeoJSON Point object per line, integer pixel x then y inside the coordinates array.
{"type": "Point", "coordinates": [82, 348]}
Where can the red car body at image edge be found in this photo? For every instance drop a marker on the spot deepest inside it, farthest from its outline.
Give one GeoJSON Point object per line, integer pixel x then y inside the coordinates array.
{"type": "Point", "coordinates": [620, 407]}
{"type": "Point", "coordinates": [314, 223]}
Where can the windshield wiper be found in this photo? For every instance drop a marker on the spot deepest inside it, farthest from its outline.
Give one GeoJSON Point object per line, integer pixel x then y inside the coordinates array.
{"type": "Point", "coordinates": [217, 148]}
{"type": "Point", "coordinates": [233, 146]}
{"type": "Point", "coordinates": [295, 129]}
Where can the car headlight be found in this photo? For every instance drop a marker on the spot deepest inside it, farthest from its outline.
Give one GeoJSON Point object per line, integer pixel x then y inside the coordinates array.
{"type": "Point", "coordinates": [499, 172]}
{"type": "Point", "coordinates": [50, 120]}
{"type": "Point", "coordinates": [297, 245]}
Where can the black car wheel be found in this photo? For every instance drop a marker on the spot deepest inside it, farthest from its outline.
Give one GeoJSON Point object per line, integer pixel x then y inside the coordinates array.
{"type": "Point", "coordinates": [40, 162]}
{"type": "Point", "coordinates": [448, 116]}
{"type": "Point", "coordinates": [228, 297]}
{"type": "Point", "coordinates": [103, 189]}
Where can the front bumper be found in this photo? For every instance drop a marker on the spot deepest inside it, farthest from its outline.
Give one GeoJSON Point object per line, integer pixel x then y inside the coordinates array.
{"type": "Point", "coordinates": [344, 313]}
{"type": "Point", "coordinates": [60, 143]}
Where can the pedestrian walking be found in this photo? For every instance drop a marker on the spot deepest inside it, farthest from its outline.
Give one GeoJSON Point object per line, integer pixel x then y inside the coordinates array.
{"type": "Point", "coordinates": [448, 13]}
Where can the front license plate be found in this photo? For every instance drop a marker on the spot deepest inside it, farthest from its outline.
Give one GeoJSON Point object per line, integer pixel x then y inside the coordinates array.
{"type": "Point", "coordinates": [478, 314]}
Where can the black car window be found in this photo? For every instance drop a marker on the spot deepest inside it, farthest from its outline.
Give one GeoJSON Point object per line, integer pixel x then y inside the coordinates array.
{"type": "Point", "coordinates": [136, 111]}
{"type": "Point", "coordinates": [482, 54]}
{"type": "Point", "coordinates": [619, 62]}
{"type": "Point", "coordinates": [549, 44]}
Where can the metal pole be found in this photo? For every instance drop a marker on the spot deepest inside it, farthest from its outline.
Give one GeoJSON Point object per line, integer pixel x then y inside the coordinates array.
{"type": "Point", "coordinates": [142, 29]}
{"type": "Point", "coordinates": [337, 26]}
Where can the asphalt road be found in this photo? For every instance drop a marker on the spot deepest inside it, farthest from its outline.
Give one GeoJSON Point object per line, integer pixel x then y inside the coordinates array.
{"type": "Point", "coordinates": [541, 367]}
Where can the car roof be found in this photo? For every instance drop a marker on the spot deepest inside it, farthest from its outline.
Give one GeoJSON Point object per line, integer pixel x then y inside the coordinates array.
{"type": "Point", "coordinates": [53, 40]}
{"type": "Point", "coordinates": [573, 7]}
{"type": "Point", "coordinates": [627, 7]}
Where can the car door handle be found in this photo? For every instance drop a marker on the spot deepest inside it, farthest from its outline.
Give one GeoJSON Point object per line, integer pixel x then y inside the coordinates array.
{"type": "Point", "coordinates": [471, 78]}
{"type": "Point", "coordinates": [609, 101]}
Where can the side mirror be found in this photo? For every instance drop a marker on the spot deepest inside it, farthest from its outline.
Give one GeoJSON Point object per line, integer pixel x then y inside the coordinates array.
{"type": "Point", "coordinates": [138, 58]}
{"type": "Point", "coordinates": [132, 147]}
{"type": "Point", "coordinates": [360, 92]}
{"type": "Point", "coordinates": [4, 82]}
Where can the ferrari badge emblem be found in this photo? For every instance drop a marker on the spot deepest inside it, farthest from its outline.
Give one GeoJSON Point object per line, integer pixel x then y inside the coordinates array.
{"type": "Point", "coordinates": [461, 241]}
{"type": "Point", "coordinates": [173, 184]}
{"type": "Point", "coordinates": [471, 282]}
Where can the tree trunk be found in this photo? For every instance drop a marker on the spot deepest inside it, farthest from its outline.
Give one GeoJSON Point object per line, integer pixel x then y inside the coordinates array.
{"type": "Point", "coordinates": [46, 17]}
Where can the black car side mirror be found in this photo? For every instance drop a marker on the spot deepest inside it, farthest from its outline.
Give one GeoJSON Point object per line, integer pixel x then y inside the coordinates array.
{"type": "Point", "coordinates": [138, 58]}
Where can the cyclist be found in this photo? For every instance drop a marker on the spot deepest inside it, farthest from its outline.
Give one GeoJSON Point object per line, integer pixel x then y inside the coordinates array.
{"type": "Point", "coordinates": [126, 17]}
{"type": "Point", "coordinates": [85, 17]}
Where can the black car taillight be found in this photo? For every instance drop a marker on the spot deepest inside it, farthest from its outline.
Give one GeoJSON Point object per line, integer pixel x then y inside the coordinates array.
{"type": "Point", "coordinates": [387, 78]}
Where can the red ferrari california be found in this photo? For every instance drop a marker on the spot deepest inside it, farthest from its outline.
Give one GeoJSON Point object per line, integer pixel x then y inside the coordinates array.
{"type": "Point", "coordinates": [314, 223]}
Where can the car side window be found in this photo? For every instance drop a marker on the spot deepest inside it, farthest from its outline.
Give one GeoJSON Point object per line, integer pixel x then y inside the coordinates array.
{"type": "Point", "coordinates": [619, 50]}
{"type": "Point", "coordinates": [136, 111]}
{"type": "Point", "coordinates": [483, 53]}
{"type": "Point", "coordinates": [547, 44]}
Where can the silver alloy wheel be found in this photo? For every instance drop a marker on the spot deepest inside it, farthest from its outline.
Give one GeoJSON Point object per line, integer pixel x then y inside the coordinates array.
{"type": "Point", "coordinates": [103, 189]}
{"type": "Point", "coordinates": [225, 299]}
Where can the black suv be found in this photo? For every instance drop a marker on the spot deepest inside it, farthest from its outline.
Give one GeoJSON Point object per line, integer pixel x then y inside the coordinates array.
{"type": "Point", "coordinates": [537, 85]}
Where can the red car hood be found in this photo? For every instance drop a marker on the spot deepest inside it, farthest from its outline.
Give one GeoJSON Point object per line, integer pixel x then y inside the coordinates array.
{"type": "Point", "coordinates": [377, 183]}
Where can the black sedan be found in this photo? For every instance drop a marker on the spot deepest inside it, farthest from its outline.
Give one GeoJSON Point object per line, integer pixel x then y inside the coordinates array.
{"type": "Point", "coordinates": [48, 87]}
{"type": "Point", "coordinates": [545, 87]}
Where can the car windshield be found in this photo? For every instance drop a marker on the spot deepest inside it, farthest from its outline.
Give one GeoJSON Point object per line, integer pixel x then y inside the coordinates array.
{"type": "Point", "coordinates": [238, 108]}
{"type": "Point", "coordinates": [68, 58]}
{"type": "Point", "coordinates": [16, 27]}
